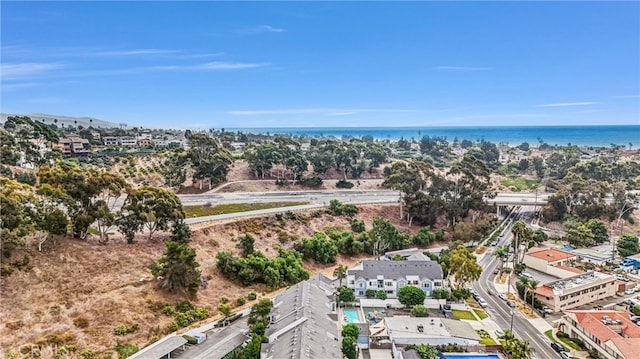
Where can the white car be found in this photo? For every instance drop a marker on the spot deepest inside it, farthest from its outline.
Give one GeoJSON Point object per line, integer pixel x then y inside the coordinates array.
{"type": "Point", "coordinates": [629, 291]}
{"type": "Point", "coordinates": [499, 332]}
{"type": "Point", "coordinates": [483, 303]}
{"type": "Point", "coordinates": [503, 297]}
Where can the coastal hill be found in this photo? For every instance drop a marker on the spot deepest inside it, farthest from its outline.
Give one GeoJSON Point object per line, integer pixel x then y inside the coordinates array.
{"type": "Point", "coordinates": [63, 121]}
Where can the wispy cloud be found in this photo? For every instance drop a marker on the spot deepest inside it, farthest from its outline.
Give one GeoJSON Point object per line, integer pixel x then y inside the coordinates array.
{"type": "Point", "coordinates": [566, 104]}
{"type": "Point", "coordinates": [462, 68]}
{"type": "Point", "coordinates": [209, 66]}
{"type": "Point", "coordinates": [23, 52]}
{"type": "Point", "coordinates": [26, 69]}
{"type": "Point", "coordinates": [322, 111]}
{"type": "Point", "coordinates": [508, 115]}
{"type": "Point", "coordinates": [260, 29]}
{"type": "Point", "coordinates": [131, 52]}
{"type": "Point", "coordinates": [17, 86]}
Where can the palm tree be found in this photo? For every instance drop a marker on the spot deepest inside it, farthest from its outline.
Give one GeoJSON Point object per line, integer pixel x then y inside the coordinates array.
{"type": "Point", "coordinates": [340, 272]}
{"type": "Point", "coordinates": [502, 253]}
{"type": "Point", "coordinates": [520, 349]}
{"type": "Point", "coordinates": [532, 285]}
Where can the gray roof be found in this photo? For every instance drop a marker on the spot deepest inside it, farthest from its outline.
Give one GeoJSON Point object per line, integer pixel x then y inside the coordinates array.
{"type": "Point", "coordinates": [398, 269]}
{"type": "Point", "coordinates": [411, 354]}
{"type": "Point", "coordinates": [430, 327]}
{"type": "Point", "coordinates": [161, 348]}
{"type": "Point", "coordinates": [303, 327]}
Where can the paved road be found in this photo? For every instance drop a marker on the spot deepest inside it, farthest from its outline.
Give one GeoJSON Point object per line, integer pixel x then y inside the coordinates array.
{"type": "Point", "coordinates": [498, 309]}
{"type": "Point", "coordinates": [355, 196]}
{"type": "Point", "coordinates": [219, 343]}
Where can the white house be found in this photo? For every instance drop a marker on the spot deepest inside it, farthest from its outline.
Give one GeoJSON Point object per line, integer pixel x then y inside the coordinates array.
{"type": "Point", "coordinates": [391, 276]}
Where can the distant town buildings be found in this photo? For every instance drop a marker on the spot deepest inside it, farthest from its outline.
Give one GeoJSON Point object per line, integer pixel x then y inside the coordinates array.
{"type": "Point", "coordinates": [73, 145]}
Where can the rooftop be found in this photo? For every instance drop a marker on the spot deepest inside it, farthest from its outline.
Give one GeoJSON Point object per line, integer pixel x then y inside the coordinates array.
{"type": "Point", "coordinates": [577, 281]}
{"type": "Point", "coordinates": [571, 269]}
{"type": "Point", "coordinates": [301, 323]}
{"type": "Point", "coordinates": [397, 269]}
{"type": "Point", "coordinates": [410, 327]}
{"type": "Point", "coordinates": [411, 254]}
{"type": "Point", "coordinates": [550, 254]}
{"type": "Point", "coordinates": [612, 326]}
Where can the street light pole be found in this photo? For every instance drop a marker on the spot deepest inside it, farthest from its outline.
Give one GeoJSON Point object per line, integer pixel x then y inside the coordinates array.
{"type": "Point", "coordinates": [511, 327]}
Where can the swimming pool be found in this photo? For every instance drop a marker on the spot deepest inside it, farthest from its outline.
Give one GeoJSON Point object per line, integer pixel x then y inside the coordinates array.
{"type": "Point", "coordinates": [352, 316]}
{"type": "Point", "coordinates": [471, 356]}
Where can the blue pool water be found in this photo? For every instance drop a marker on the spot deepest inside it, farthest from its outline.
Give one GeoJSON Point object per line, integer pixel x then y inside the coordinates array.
{"type": "Point", "coordinates": [352, 316]}
{"type": "Point", "coordinates": [471, 356]}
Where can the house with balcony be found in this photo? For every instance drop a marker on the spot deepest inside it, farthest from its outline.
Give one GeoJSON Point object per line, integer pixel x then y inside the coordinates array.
{"type": "Point", "coordinates": [581, 289]}
{"type": "Point", "coordinates": [391, 276]}
{"type": "Point", "coordinates": [73, 145]}
{"type": "Point", "coordinates": [127, 141]}
{"type": "Point", "coordinates": [110, 141]}
{"type": "Point", "coordinates": [611, 333]}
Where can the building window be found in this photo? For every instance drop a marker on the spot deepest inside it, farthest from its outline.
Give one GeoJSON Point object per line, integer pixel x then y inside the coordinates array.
{"type": "Point", "coordinates": [425, 285]}
{"type": "Point", "coordinates": [360, 293]}
{"type": "Point", "coordinates": [351, 281]}
{"type": "Point", "coordinates": [388, 284]}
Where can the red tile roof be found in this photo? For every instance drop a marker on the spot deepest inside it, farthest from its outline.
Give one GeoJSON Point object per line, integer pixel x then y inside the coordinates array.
{"type": "Point", "coordinates": [571, 269]}
{"type": "Point", "coordinates": [628, 345]}
{"type": "Point", "coordinates": [550, 254]}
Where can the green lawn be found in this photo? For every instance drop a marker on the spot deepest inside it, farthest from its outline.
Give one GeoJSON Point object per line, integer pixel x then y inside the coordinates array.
{"type": "Point", "coordinates": [570, 343]}
{"type": "Point", "coordinates": [480, 313]}
{"type": "Point", "coordinates": [487, 341]}
{"type": "Point", "coordinates": [463, 314]}
{"type": "Point", "coordinates": [549, 334]}
{"type": "Point", "coordinates": [201, 211]}
{"type": "Point", "coordinates": [521, 184]}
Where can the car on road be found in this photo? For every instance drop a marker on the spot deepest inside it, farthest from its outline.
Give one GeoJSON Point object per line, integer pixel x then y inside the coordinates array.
{"type": "Point", "coordinates": [502, 296]}
{"type": "Point", "coordinates": [565, 355]}
{"type": "Point", "coordinates": [511, 304]}
{"type": "Point", "coordinates": [499, 333]}
{"type": "Point", "coordinates": [557, 347]}
{"type": "Point", "coordinates": [629, 291]}
{"type": "Point", "coordinates": [483, 303]}
{"type": "Point", "coordinates": [496, 271]}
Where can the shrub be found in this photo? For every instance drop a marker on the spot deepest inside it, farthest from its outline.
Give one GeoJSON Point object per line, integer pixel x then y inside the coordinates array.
{"type": "Point", "coordinates": [240, 301]}
{"type": "Point", "coordinates": [126, 350]}
{"type": "Point", "coordinates": [370, 293]}
{"type": "Point", "coordinates": [381, 294]}
{"type": "Point", "coordinates": [224, 300]}
{"type": "Point", "coordinates": [357, 225]}
{"type": "Point", "coordinates": [168, 310]}
{"type": "Point", "coordinates": [87, 354]}
{"type": "Point", "coordinates": [344, 184]}
{"type": "Point", "coordinates": [120, 329]}
{"type": "Point", "coordinates": [419, 310]}
{"type": "Point", "coordinates": [252, 296]}
{"type": "Point", "coordinates": [313, 182]}
{"type": "Point", "coordinates": [185, 306]}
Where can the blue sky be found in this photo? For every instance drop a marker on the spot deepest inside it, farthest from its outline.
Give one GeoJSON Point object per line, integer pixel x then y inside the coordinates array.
{"type": "Point", "coordinates": [324, 64]}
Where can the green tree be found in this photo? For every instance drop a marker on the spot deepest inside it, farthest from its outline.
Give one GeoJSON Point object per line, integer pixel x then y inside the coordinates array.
{"type": "Point", "coordinates": [579, 234]}
{"type": "Point", "coordinates": [628, 245]}
{"type": "Point", "coordinates": [350, 331]}
{"type": "Point", "coordinates": [319, 248]}
{"type": "Point", "coordinates": [340, 272]}
{"type": "Point", "coordinates": [181, 232]}
{"type": "Point", "coordinates": [154, 208]}
{"type": "Point", "coordinates": [440, 294]}
{"type": "Point", "coordinates": [599, 230]}
{"type": "Point", "coordinates": [177, 269]}
{"type": "Point", "coordinates": [260, 312]}
{"type": "Point", "coordinates": [346, 295]}
{"type": "Point", "coordinates": [370, 293]}
{"type": "Point", "coordinates": [381, 294]}
{"type": "Point", "coordinates": [410, 295]}
{"type": "Point", "coordinates": [426, 351]}
{"type": "Point", "coordinates": [463, 266]}
{"type": "Point", "coordinates": [357, 225]}
{"type": "Point", "coordinates": [424, 237]}
{"type": "Point", "coordinates": [246, 243]}
{"type": "Point", "coordinates": [225, 309]}
{"type": "Point", "coordinates": [349, 348]}
{"type": "Point", "coordinates": [209, 161]}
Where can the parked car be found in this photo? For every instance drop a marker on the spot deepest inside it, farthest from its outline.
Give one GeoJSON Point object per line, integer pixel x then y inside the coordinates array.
{"type": "Point", "coordinates": [496, 271]}
{"type": "Point", "coordinates": [511, 304]}
{"type": "Point", "coordinates": [502, 296]}
{"type": "Point", "coordinates": [565, 355]}
{"type": "Point", "coordinates": [629, 291]}
{"type": "Point", "coordinates": [483, 303]}
{"type": "Point", "coordinates": [557, 347]}
{"type": "Point", "coordinates": [526, 275]}
{"type": "Point", "coordinates": [547, 310]}
{"type": "Point", "coordinates": [499, 333]}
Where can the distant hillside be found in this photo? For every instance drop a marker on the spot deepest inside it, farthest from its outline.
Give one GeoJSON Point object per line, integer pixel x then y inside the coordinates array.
{"type": "Point", "coordinates": [64, 120]}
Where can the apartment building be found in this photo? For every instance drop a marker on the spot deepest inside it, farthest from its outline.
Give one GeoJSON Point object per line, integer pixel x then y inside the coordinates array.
{"type": "Point", "coordinates": [391, 276]}
{"type": "Point", "coordinates": [110, 141]}
{"type": "Point", "coordinates": [611, 333]}
{"type": "Point", "coordinates": [73, 145]}
{"type": "Point", "coordinates": [564, 294]}
{"type": "Point", "coordinates": [127, 141]}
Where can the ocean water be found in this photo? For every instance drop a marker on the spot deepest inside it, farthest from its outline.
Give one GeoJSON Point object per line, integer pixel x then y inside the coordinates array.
{"type": "Point", "coordinates": [601, 136]}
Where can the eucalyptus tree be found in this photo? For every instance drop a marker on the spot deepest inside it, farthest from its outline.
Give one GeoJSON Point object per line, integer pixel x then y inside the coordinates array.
{"type": "Point", "coordinates": [152, 208]}
{"type": "Point", "coordinates": [468, 185]}
{"type": "Point", "coordinates": [209, 160]}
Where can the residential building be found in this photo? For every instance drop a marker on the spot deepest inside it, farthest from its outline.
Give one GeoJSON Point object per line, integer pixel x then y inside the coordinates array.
{"type": "Point", "coordinates": [564, 294]}
{"type": "Point", "coordinates": [110, 141]}
{"type": "Point", "coordinates": [144, 142]}
{"type": "Point", "coordinates": [391, 276]}
{"type": "Point", "coordinates": [597, 255]}
{"type": "Point", "coordinates": [611, 333]}
{"type": "Point", "coordinates": [127, 141]}
{"type": "Point", "coordinates": [159, 142]}
{"type": "Point", "coordinates": [403, 331]}
{"type": "Point", "coordinates": [410, 254]}
{"type": "Point", "coordinates": [73, 145]}
{"type": "Point", "coordinates": [304, 322]}
{"type": "Point", "coordinates": [552, 261]}
{"type": "Point", "coordinates": [95, 135]}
